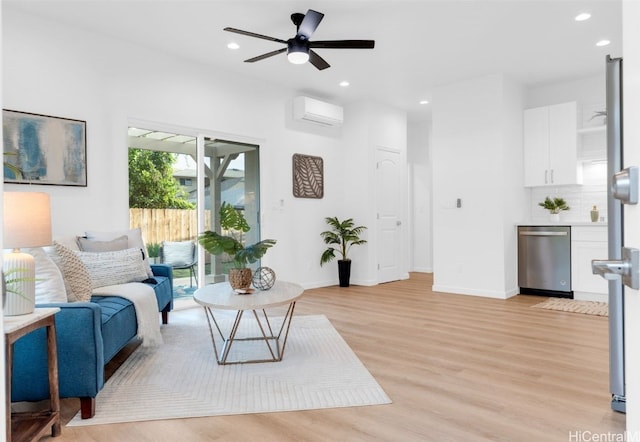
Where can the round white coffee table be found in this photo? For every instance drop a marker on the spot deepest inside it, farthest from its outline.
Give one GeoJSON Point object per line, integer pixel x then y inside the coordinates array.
{"type": "Point", "coordinates": [222, 297]}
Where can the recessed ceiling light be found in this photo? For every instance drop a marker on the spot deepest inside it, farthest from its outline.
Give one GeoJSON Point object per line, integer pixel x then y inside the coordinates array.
{"type": "Point", "coordinates": [233, 45]}
{"type": "Point", "coordinates": [603, 43]}
{"type": "Point", "coordinates": [583, 16]}
{"type": "Point", "coordinates": [344, 83]}
{"type": "Point", "coordinates": [424, 102]}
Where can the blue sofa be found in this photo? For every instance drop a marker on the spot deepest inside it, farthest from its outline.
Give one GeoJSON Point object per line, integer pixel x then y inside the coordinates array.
{"type": "Point", "coordinates": [89, 335]}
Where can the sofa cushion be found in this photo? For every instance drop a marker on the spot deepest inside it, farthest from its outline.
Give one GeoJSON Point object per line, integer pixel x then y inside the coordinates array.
{"type": "Point", "coordinates": [76, 277]}
{"type": "Point", "coordinates": [112, 268]}
{"type": "Point", "coordinates": [119, 324]}
{"type": "Point", "coordinates": [49, 283]}
{"type": "Point", "coordinates": [90, 245]}
{"type": "Point", "coordinates": [164, 291]}
{"type": "Point", "coordinates": [135, 240]}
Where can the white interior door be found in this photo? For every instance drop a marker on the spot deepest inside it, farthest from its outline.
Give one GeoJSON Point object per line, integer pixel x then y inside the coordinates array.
{"type": "Point", "coordinates": [389, 222]}
{"type": "Point", "coordinates": [631, 116]}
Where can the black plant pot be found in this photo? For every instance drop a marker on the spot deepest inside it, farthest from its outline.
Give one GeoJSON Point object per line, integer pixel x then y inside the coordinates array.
{"type": "Point", "coordinates": [344, 272]}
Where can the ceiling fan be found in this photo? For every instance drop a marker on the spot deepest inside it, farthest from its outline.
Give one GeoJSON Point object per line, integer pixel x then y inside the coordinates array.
{"type": "Point", "coordinates": [299, 48]}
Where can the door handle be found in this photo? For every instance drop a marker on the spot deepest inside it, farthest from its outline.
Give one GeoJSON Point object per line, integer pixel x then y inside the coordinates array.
{"type": "Point", "coordinates": [628, 267]}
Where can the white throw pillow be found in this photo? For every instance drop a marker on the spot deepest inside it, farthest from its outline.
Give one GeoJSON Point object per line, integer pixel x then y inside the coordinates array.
{"type": "Point", "coordinates": [92, 245]}
{"type": "Point", "coordinates": [112, 268]}
{"type": "Point", "coordinates": [70, 242]}
{"type": "Point", "coordinates": [135, 240]}
{"type": "Point", "coordinates": [49, 282]}
{"type": "Point", "coordinates": [177, 253]}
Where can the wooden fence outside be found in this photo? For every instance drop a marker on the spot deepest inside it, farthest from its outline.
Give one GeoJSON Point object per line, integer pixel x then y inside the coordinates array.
{"type": "Point", "coordinates": [159, 225]}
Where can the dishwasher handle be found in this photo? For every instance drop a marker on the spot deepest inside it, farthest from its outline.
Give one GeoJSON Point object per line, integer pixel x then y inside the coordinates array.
{"type": "Point", "coordinates": [542, 233]}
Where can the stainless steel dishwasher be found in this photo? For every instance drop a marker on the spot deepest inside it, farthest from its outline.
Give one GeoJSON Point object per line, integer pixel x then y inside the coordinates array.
{"type": "Point", "coordinates": [544, 260]}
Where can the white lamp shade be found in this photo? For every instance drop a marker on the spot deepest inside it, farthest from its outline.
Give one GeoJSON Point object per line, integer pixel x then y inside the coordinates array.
{"type": "Point", "coordinates": [26, 222]}
{"type": "Point", "coordinates": [26, 219]}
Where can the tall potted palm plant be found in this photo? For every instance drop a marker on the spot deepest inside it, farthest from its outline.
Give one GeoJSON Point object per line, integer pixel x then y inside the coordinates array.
{"type": "Point", "coordinates": [340, 238]}
{"type": "Point", "coordinates": [233, 245]}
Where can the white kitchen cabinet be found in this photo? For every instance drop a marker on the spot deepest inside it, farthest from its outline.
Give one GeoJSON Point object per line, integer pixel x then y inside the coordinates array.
{"type": "Point", "coordinates": [550, 145]}
{"type": "Point", "coordinates": [588, 243]}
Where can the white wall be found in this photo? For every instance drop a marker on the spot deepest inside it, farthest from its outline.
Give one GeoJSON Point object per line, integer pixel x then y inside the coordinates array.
{"type": "Point", "coordinates": [513, 193]}
{"type": "Point", "coordinates": [477, 147]}
{"type": "Point", "coordinates": [419, 159]}
{"type": "Point", "coordinates": [56, 70]}
{"type": "Point", "coordinates": [586, 91]}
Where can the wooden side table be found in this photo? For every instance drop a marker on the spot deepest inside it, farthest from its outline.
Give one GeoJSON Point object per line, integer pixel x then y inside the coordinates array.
{"type": "Point", "coordinates": [30, 426]}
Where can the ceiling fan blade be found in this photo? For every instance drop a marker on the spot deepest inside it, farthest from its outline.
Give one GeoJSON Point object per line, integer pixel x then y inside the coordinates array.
{"type": "Point", "coordinates": [317, 61]}
{"type": "Point", "coordinates": [253, 34]}
{"type": "Point", "coordinates": [343, 44]}
{"type": "Point", "coordinates": [267, 55]}
{"type": "Point", "coordinates": [309, 24]}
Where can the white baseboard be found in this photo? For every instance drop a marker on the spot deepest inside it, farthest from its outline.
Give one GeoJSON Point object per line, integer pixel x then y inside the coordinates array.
{"type": "Point", "coordinates": [475, 292]}
{"type": "Point", "coordinates": [586, 296]}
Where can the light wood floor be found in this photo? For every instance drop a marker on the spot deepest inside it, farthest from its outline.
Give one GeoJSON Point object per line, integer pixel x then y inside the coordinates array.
{"type": "Point", "coordinates": [458, 368]}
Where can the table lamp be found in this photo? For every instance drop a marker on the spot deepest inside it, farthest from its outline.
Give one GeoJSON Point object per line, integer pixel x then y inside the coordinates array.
{"type": "Point", "coordinates": [26, 222]}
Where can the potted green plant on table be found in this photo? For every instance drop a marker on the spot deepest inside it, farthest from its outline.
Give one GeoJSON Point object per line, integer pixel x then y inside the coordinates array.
{"type": "Point", "coordinates": [233, 245]}
{"type": "Point", "coordinates": [340, 238]}
{"type": "Point", "coordinates": [153, 251]}
{"type": "Point", "coordinates": [554, 206]}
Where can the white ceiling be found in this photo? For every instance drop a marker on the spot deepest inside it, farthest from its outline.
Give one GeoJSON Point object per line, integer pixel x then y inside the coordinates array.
{"type": "Point", "coordinates": [419, 44]}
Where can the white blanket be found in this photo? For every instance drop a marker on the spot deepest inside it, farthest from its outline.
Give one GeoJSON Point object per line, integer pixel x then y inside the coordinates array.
{"type": "Point", "coordinates": [143, 298]}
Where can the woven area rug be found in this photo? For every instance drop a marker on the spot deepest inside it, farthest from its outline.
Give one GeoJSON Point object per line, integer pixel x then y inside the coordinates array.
{"type": "Point", "coordinates": [574, 306]}
{"type": "Point", "coordinates": [181, 379]}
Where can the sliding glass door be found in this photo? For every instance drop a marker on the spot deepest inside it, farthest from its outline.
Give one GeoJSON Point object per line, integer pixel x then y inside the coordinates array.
{"type": "Point", "coordinates": [232, 176]}
{"type": "Point", "coordinates": [177, 183]}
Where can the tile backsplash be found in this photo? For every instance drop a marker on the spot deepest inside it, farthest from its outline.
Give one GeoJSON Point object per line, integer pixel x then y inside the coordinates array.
{"type": "Point", "coordinates": [579, 198]}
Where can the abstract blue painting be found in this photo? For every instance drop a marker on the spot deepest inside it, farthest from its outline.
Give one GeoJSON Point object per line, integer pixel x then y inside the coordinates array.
{"type": "Point", "coordinates": [39, 149]}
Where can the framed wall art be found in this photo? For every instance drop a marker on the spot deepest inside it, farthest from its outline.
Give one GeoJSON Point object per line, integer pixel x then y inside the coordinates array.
{"type": "Point", "coordinates": [40, 149]}
{"type": "Point", "coordinates": [308, 176]}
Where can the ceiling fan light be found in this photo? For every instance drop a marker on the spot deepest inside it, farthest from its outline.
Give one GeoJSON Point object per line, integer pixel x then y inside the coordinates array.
{"type": "Point", "coordinates": [298, 57]}
{"type": "Point", "coordinates": [297, 52]}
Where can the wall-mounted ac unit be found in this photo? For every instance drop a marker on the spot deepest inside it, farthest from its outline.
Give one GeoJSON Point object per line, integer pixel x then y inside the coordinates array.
{"type": "Point", "coordinates": [316, 111]}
